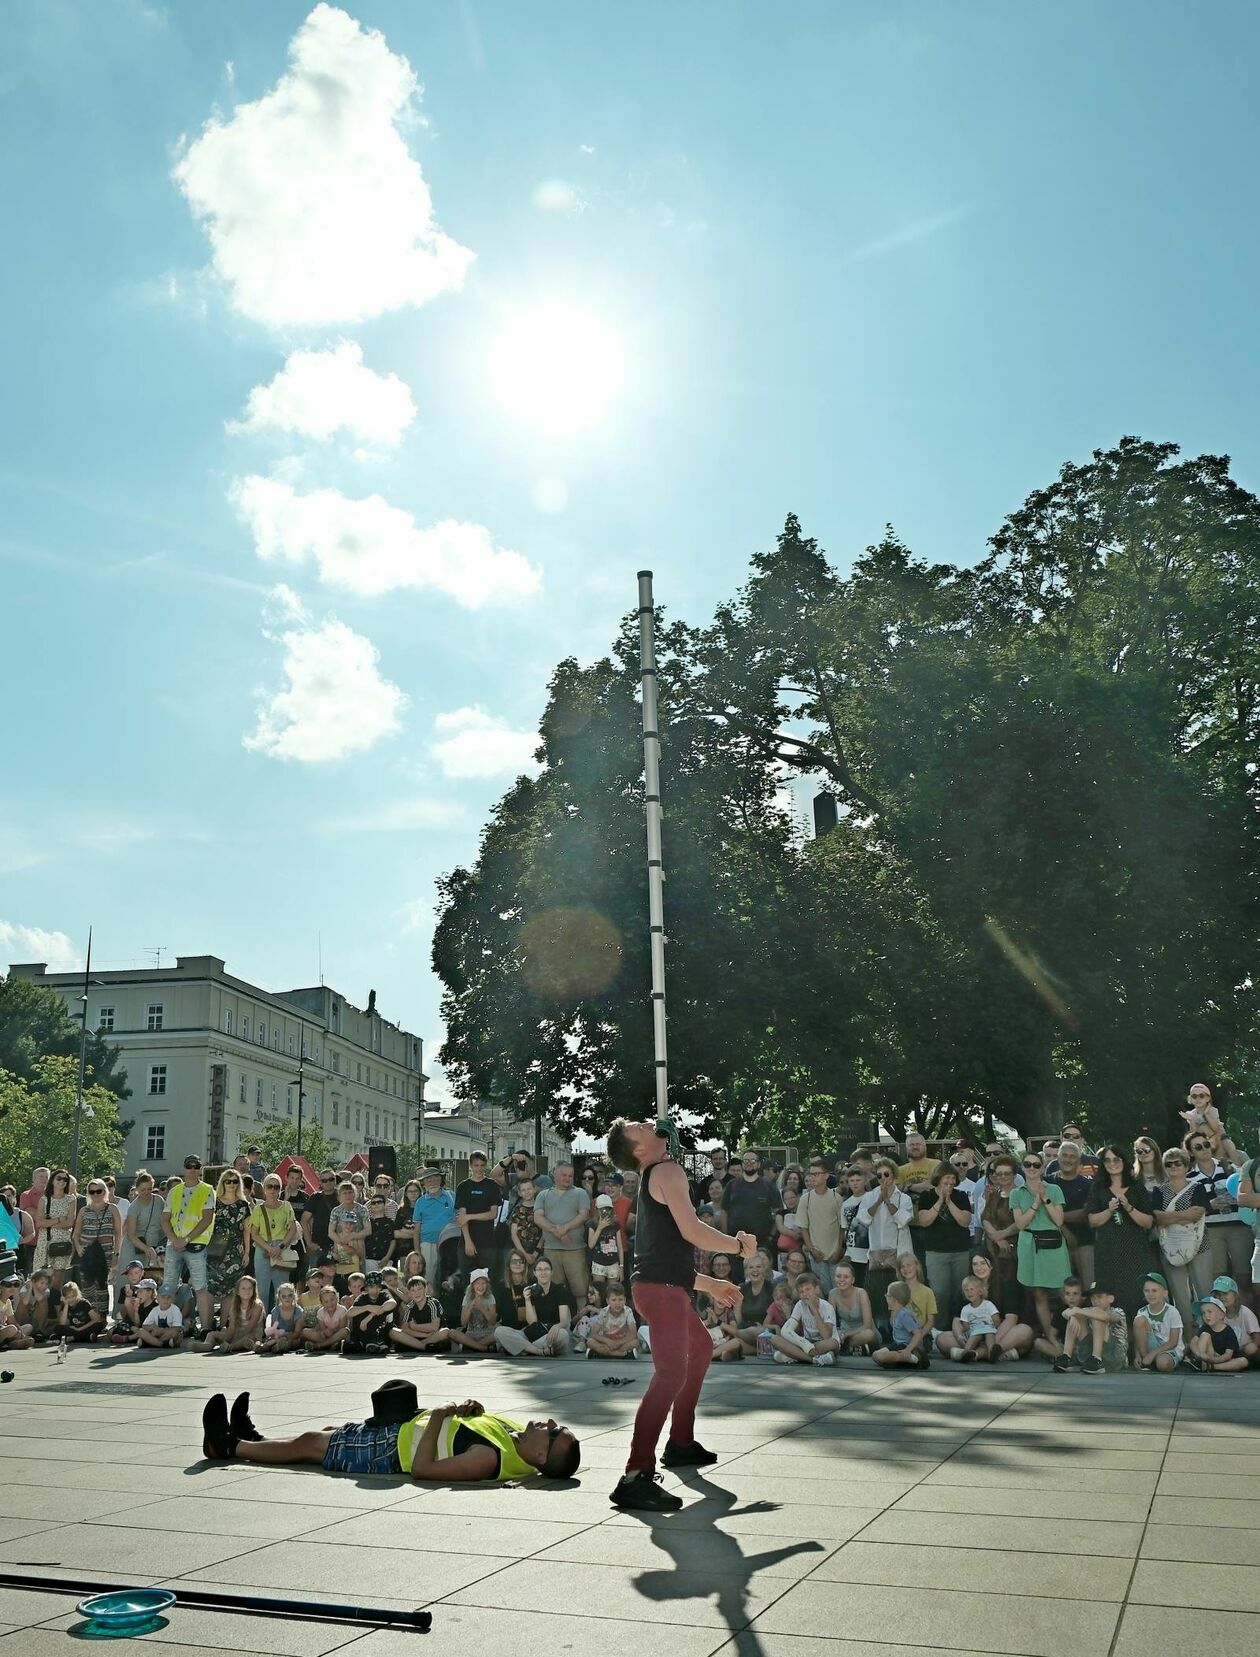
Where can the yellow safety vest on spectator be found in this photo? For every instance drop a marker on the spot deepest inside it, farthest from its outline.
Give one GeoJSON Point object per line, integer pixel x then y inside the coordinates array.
{"type": "Point", "coordinates": [495, 1429]}
{"type": "Point", "coordinates": [188, 1205]}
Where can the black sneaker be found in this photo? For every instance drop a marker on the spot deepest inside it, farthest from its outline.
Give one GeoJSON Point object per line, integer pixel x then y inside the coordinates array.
{"type": "Point", "coordinates": [1091, 1365]}
{"type": "Point", "coordinates": [1061, 1364]}
{"type": "Point", "coordinates": [218, 1441]}
{"type": "Point", "coordinates": [687, 1455]}
{"type": "Point", "coordinates": [240, 1423]}
{"type": "Point", "coordinates": [924, 1362]}
{"type": "Point", "coordinates": [1194, 1362]}
{"type": "Point", "coordinates": [645, 1491]}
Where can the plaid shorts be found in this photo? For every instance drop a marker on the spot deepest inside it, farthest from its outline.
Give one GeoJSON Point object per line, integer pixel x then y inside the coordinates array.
{"type": "Point", "coordinates": [360, 1448]}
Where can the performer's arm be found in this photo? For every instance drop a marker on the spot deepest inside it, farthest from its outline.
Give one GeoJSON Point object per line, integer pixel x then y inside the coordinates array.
{"type": "Point", "coordinates": [670, 1187]}
{"type": "Point", "coordinates": [468, 1467]}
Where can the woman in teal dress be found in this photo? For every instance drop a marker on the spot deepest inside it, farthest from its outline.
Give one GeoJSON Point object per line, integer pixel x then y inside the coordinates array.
{"type": "Point", "coordinates": [1042, 1261]}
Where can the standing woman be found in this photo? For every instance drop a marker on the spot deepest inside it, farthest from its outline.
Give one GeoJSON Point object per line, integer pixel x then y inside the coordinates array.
{"type": "Point", "coordinates": [1179, 1216]}
{"type": "Point", "coordinates": [1229, 1235]}
{"type": "Point", "coordinates": [225, 1248]}
{"type": "Point", "coordinates": [945, 1220]}
{"type": "Point", "coordinates": [1042, 1260]}
{"type": "Point", "coordinates": [1000, 1230]}
{"type": "Point", "coordinates": [97, 1239]}
{"type": "Point", "coordinates": [1123, 1219]}
{"type": "Point", "coordinates": [272, 1233]}
{"type": "Point", "coordinates": [1148, 1166]}
{"type": "Point", "coordinates": [142, 1229]}
{"type": "Point", "coordinates": [54, 1221]}
{"type": "Point", "coordinates": [792, 1179]}
{"type": "Point", "coordinates": [406, 1231]}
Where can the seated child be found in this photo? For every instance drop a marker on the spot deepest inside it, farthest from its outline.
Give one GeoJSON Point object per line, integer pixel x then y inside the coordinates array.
{"type": "Point", "coordinates": [163, 1322]}
{"type": "Point", "coordinates": [595, 1305]}
{"type": "Point", "coordinates": [1241, 1319]}
{"type": "Point", "coordinates": [1215, 1349]}
{"type": "Point", "coordinates": [1101, 1329]}
{"type": "Point", "coordinates": [976, 1326]}
{"type": "Point", "coordinates": [614, 1333]}
{"type": "Point", "coordinates": [1158, 1332]}
{"type": "Point", "coordinates": [855, 1321]}
{"type": "Point", "coordinates": [1072, 1296]}
{"type": "Point", "coordinates": [477, 1315]}
{"type": "Point", "coordinates": [809, 1334]}
{"type": "Point", "coordinates": [309, 1299]}
{"type": "Point", "coordinates": [371, 1317]}
{"type": "Point", "coordinates": [12, 1334]}
{"type": "Point", "coordinates": [354, 1288]}
{"type": "Point", "coordinates": [126, 1321]}
{"type": "Point", "coordinates": [331, 1322]}
{"type": "Point", "coordinates": [908, 1336]}
{"type": "Point", "coordinates": [284, 1325]}
{"type": "Point", "coordinates": [420, 1326]}
{"type": "Point", "coordinates": [37, 1306]}
{"type": "Point", "coordinates": [78, 1320]}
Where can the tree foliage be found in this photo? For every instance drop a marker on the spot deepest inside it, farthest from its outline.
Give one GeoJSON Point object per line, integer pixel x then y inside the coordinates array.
{"type": "Point", "coordinates": [279, 1139]}
{"type": "Point", "coordinates": [1042, 894]}
{"type": "Point", "coordinates": [37, 1123]}
{"type": "Point", "coordinates": [35, 1023]}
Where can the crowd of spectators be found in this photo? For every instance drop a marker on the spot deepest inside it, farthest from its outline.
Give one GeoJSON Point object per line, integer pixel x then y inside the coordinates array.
{"type": "Point", "coordinates": [1095, 1260]}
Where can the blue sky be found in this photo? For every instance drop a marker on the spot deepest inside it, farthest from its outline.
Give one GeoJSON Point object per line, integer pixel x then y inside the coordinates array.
{"type": "Point", "coordinates": [270, 658]}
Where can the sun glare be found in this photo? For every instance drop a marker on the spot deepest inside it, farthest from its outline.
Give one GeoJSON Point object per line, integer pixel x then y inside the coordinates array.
{"type": "Point", "coordinates": [556, 367]}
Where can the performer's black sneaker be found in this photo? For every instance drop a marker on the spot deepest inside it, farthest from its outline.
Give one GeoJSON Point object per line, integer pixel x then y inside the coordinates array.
{"type": "Point", "coordinates": [645, 1491]}
{"type": "Point", "coordinates": [219, 1441]}
{"type": "Point", "coordinates": [240, 1423]}
{"type": "Point", "coordinates": [687, 1455]}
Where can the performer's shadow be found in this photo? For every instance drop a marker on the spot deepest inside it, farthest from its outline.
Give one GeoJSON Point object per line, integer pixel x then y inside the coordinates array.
{"type": "Point", "coordinates": [710, 1554]}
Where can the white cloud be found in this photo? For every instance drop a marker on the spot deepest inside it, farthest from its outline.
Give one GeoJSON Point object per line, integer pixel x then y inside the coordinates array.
{"type": "Point", "coordinates": [319, 393]}
{"type": "Point", "coordinates": [554, 195]}
{"type": "Point", "coordinates": [334, 701]}
{"type": "Point", "coordinates": [34, 943]}
{"type": "Point", "coordinates": [416, 812]}
{"type": "Point", "coordinates": [315, 210]}
{"type": "Point", "coordinates": [476, 744]}
{"type": "Point", "coordinates": [369, 547]}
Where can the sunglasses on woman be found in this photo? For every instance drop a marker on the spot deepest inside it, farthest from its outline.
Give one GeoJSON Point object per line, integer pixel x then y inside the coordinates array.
{"type": "Point", "coordinates": [1032, 1165]}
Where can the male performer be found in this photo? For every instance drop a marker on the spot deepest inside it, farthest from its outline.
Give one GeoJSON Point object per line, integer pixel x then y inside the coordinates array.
{"type": "Point", "coordinates": [456, 1443]}
{"type": "Point", "coordinates": [665, 1236]}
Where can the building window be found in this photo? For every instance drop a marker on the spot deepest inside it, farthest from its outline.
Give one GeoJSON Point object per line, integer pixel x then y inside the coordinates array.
{"type": "Point", "coordinates": [291, 1045]}
{"type": "Point", "coordinates": [288, 1099]}
{"type": "Point", "coordinates": [244, 1026]}
{"type": "Point", "coordinates": [227, 1021]}
{"type": "Point", "coordinates": [306, 1048]}
{"type": "Point", "coordinates": [275, 1038]}
{"type": "Point", "coordinates": [155, 1015]}
{"type": "Point", "coordinates": [244, 1086]}
{"type": "Point", "coordinates": [275, 1095]}
{"type": "Point", "coordinates": [262, 1033]}
{"type": "Point", "coordinates": [336, 1058]}
{"type": "Point", "coordinates": [356, 1119]}
{"type": "Point", "coordinates": [157, 1078]}
{"type": "Point", "coordinates": [105, 1019]}
{"type": "Point", "coordinates": [155, 1142]}
{"type": "Point", "coordinates": [334, 1120]}
{"type": "Point", "coordinates": [258, 1091]}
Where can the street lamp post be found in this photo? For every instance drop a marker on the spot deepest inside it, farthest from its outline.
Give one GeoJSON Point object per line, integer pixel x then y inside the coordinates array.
{"type": "Point", "coordinates": [79, 1106]}
{"type": "Point", "coordinates": [301, 1080]}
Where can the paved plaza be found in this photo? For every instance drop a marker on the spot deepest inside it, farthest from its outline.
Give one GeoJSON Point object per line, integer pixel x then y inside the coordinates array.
{"type": "Point", "coordinates": [852, 1512]}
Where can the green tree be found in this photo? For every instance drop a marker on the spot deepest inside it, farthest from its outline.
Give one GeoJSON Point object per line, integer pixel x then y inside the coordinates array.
{"type": "Point", "coordinates": [279, 1139]}
{"type": "Point", "coordinates": [37, 1123]}
{"type": "Point", "coordinates": [35, 1023]}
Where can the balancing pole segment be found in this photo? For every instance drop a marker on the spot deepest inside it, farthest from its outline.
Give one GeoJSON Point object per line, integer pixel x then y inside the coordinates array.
{"type": "Point", "coordinates": [652, 802]}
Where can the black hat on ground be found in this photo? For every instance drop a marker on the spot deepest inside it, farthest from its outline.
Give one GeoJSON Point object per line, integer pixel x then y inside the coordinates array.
{"type": "Point", "coordinates": [396, 1401]}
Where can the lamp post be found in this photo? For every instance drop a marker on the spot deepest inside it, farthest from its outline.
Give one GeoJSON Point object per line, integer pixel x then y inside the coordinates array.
{"type": "Point", "coordinates": [80, 1108]}
{"type": "Point", "coordinates": [301, 1079]}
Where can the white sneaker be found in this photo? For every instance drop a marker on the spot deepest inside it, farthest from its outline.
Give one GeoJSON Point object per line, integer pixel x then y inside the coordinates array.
{"type": "Point", "coordinates": [824, 1360]}
{"type": "Point", "coordinates": [781, 1358]}
{"type": "Point", "coordinates": [957, 1354]}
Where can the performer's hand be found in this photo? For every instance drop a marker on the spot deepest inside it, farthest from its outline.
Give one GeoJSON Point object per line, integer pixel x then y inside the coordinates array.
{"type": "Point", "coordinates": [720, 1290]}
{"type": "Point", "coordinates": [470, 1407]}
{"type": "Point", "coordinates": [747, 1244]}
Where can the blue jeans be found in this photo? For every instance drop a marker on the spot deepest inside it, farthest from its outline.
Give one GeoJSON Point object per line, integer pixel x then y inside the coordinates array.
{"type": "Point", "coordinates": [269, 1277]}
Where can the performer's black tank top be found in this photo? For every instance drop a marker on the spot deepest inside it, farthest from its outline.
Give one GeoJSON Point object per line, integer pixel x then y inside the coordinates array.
{"type": "Point", "coordinates": [661, 1253]}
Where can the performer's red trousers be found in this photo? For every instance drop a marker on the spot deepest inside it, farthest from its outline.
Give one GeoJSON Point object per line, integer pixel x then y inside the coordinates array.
{"type": "Point", "coordinates": [681, 1352]}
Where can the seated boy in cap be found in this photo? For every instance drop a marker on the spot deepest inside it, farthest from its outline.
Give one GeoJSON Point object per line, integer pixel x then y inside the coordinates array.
{"type": "Point", "coordinates": [12, 1334]}
{"type": "Point", "coordinates": [457, 1443]}
{"type": "Point", "coordinates": [1215, 1348]}
{"type": "Point", "coordinates": [1158, 1332]}
{"type": "Point", "coordinates": [1102, 1328]}
{"type": "Point", "coordinates": [371, 1317]}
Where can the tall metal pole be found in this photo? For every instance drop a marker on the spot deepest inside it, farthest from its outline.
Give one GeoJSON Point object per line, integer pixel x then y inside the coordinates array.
{"type": "Point", "coordinates": [78, 1092]}
{"type": "Point", "coordinates": [652, 802]}
{"type": "Point", "coordinates": [301, 1079]}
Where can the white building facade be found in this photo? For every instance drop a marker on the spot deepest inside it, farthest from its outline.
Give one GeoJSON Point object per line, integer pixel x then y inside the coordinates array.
{"type": "Point", "coordinates": [212, 1060]}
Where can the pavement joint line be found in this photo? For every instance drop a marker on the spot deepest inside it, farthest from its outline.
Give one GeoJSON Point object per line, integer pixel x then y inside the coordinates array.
{"type": "Point", "coordinates": [1146, 1525]}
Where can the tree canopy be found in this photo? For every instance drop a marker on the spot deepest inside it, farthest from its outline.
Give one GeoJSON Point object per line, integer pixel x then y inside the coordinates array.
{"type": "Point", "coordinates": [37, 1123]}
{"type": "Point", "coordinates": [35, 1023]}
{"type": "Point", "coordinates": [1041, 895]}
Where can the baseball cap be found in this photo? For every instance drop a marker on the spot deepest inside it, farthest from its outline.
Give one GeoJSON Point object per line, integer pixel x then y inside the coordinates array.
{"type": "Point", "coordinates": [603, 1201]}
{"type": "Point", "coordinates": [1101, 1289]}
{"type": "Point", "coordinates": [1224, 1286]}
{"type": "Point", "coordinates": [1158, 1277]}
{"type": "Point", "coordinates": [163, 1290]}
{"type": "Point", "coordinates": [147, 1283]}
{"type": "Point", "coordinates": [373, 1280]}
{"type": "Point", "coordinates": [479, 1271]}
{"type": "Point", "coordinates": [1212, 1300]}
{"type": "Point", "coordinates": [192, 1162]}
{"type": "Point", "coordinates": [10, 1280]}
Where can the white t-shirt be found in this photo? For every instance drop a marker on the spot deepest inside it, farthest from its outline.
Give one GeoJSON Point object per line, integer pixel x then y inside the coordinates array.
{"type": "Point", "coordinates": [171, 1318]}
{"type": "Point", "coordinates": [802, 1322]}
{"type": "Point", "coordinates": [607, 1323]}
{"type": "Point", "coordinates": [981, 1319]}
{"type": "Point", "coordinates": [1245, 1325]}
{"type": "Point", "coordinates": [1165, 1325]}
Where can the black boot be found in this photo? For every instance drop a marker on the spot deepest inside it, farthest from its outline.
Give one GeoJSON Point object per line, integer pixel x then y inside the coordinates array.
{"type": "Point", "coordinates": [240, 1422]}
{"type": "Point", "coordinates": [687, 1455]}
{"type": "Point", "coordinates": [645, 1491]}
{"type": "Point", "coordinates": [219, 1441]}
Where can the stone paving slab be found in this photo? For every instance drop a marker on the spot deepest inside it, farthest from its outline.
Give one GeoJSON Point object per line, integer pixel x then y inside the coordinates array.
{"type": "Point", "coordinates": [852, 1514]}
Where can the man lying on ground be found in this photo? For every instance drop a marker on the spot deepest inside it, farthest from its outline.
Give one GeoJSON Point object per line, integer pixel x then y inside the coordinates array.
{"type": "Point", "coordinates": [455, 1443]}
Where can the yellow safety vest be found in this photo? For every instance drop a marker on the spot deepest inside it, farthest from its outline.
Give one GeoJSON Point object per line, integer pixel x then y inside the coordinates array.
{"type": "Point", "coordinates": [187, 1207]}
{"type": "Point", "coordinates": [495, 1429]}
